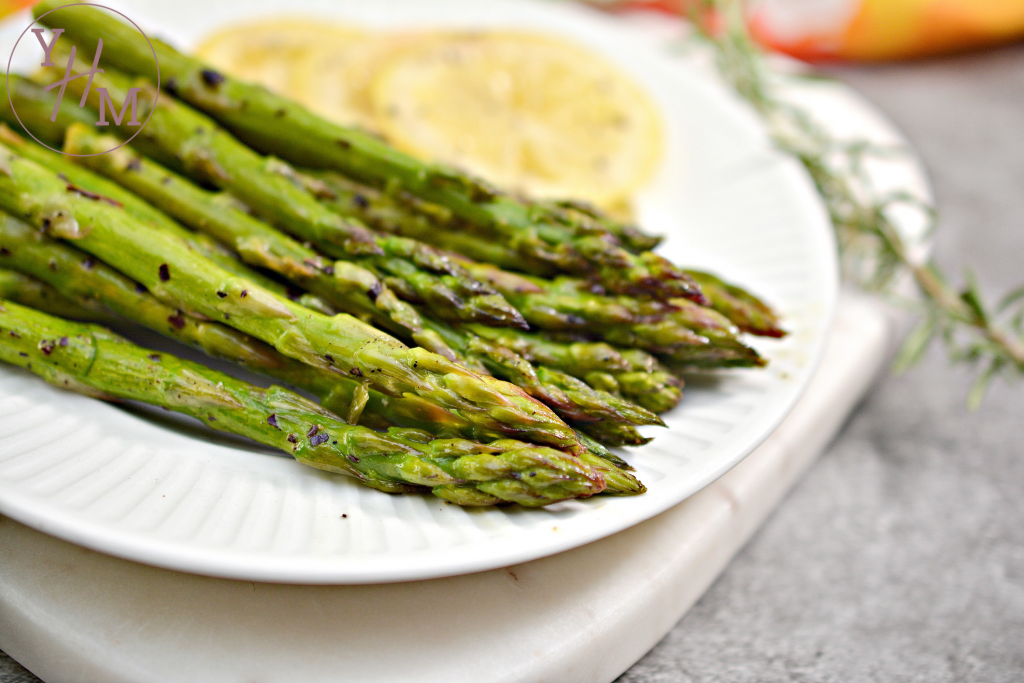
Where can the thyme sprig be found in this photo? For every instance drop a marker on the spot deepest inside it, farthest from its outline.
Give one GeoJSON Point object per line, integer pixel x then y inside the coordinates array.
{"type": "Point", "coordinates": [874, 253]}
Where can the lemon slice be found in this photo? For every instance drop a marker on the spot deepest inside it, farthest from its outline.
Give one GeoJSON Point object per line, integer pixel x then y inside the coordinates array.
{"type": "Point", "coordinates": [269, 51]}
{"type": "Point", "coordinates": [524, 111]}
{"type": "Point", "coordinates": [334, 79]}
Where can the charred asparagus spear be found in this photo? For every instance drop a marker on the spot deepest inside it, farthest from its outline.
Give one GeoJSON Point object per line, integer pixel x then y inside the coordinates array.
{"type": "Point", "coordinates": [742, 308]}
{"type": "Point", "coordinates": [35, 294]}
{"type": "Point", "coordinates": [92, 360]}
{"type": "Point", "coordinates": [276, 125]}
{"type": "Point", "coordinates": [341, 344]}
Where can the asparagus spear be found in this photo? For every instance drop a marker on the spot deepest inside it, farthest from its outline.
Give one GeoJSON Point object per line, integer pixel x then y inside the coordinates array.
{"type": "Point", "coordinates": [276, 125]}
{"type": "Point", "coordinates": [742, 308]}
{"type": "Point", "coordinates": [35, 106]}
{"type": "Point", "coordinates": [632, 237]}
{"type": "Point", "coordinates": [199, 147]}
{"type": "Point", "coordinates": [340, 344]}
{"type": "Point", "coordinates": [614, 433]}
{"type": "Point", "coordinates": [648, 382]}
{"type": "Point", "coordinates": [30, 292]}
{"type": "Point", "coordinates": [567, 302]}
{"type": "Point", "coordinates": [91, 360]}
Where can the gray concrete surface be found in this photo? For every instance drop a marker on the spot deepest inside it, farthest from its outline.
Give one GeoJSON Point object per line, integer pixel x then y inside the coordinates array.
{"type": "Point", "coordinates": [900, 557]}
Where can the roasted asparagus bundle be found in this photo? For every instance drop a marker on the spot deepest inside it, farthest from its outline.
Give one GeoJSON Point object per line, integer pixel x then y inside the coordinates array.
{"type": "Point", "coordinates": [543, 322]}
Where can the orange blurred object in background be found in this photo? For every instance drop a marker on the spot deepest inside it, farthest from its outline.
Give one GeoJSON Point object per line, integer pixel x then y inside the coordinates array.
{"type": "Point", "coordinates": [870, 30]}
{"type": "Point", "coordinates": [863, 30]}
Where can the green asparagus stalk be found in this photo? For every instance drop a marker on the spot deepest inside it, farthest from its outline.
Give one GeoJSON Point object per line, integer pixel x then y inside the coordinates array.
{"type": "Point", "coordinates": [614, 433]}
{"type": "Point", "coordinates": [341, 344]}
{"type": "Point", "coordinates": [566, 303]}
{"type": "Point", "coordinates": [632, 237]}
{"type": "Point", "coordinates": [276, 125]}
{"type": "Point", "coordinates": [34, 294]}
{"type": "Point", "coordinates": [742, 308]}
{"type": "Point", "coordinates": [89, 359]}
{"type": "Point", "coordinates": [344, 285]}
{"type": "Point", "coordinates": [648, 382]}
{"type": "Point", "coordinates": [34, 107]}
{"type": "Point", "coordinates": [201, 149]}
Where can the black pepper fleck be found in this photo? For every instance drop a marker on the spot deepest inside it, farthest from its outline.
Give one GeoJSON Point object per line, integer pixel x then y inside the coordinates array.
{"type": "Point", "coordinates": [155, 357]}
{"type": "Point", "coordinates": [4, 251]}
{"type": "Point", "coordinates": [272, 421]}
{"type": "Point", "coordinates": [319, 439]}
{"type": "Point", "coordinates": [63, 342]}
{"type": "Point", "coordinates": [222, 295]}
{"type": "Point", "coordinates": [360, 201]}
{"type": "Point", "coordinates": [292, 438]}
{"type": "Point", "coordinates": [177, 320]}
{"type": "Point", "coordinates": [313, 430]}
{"type": "Point", "coordinates": [356, 371]}
{"type": "Point", "coordinates": [353, 458]}
{"type": "Point", "coordinates": [244, 293]}
{"type": "Point", "coordinates": [211, 77]}
{"type": "Point", "coordinates": [88, 264]}
{"type": "Point", "coordinates": [46, 346]}
{"type": "Point", "coordinates": [135, 164]}
{"type": "Point", "coordinates": [165, 272]}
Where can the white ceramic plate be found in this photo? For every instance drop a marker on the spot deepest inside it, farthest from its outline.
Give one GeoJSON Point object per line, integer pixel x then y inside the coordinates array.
{"type": "Point", "coordinates": [166, 492]}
